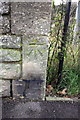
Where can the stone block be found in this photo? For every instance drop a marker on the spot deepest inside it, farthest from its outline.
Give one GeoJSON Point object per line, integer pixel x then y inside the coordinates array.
{"type": "Point", "coordinates": [18, 88]}
{"type": "Point", "coordinates": [30, 18]}
{"type": "Point", "coordinates": [37, 54]}
{"type": "Point", "coordinates": [35, 40]}
{"type": "Point", "coordinates": [4, 8]}
{"type": "Point", "coordinates": [10, 41]}
{"type": "Point", "coordinates": [34, 89]}
{"type": "Point", "coordinates": [10, 71]}
{"type": "Point", "coordinates": [4, 24]}
{"type": "Point", "coordinates": [4, 88]}
{"type": "Point", "coordinates": [35, 62]}
{"type": "Point", "coordinates": [9, 55]}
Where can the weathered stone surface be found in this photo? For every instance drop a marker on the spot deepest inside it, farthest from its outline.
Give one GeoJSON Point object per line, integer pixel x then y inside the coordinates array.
{"type": "Point", "coordinates": [10, 41]}
{"type": "Point", "coordinates": [18, 88]}
{"type": "Point", "coordinates": [43, 109]}
{"type": "Point", "coordinates": [4, 88]}
{"type": "Point", "coordinates": [36, 53]}
{"type": "Point", "coordinates": [35, 40]}
{"type": "Point", "coordinates": [0, 88]}
{"type": "Point", "coordinates": [4, 24]}
{"type": "Point", "coordinates": [9, 55]}
{"type": "Point", "coordinates": [34, 89]}
{"type": "Point", "coordinates": [10, 71]}
{"type": "Point", "coordinates": [4, 8]}
{"type": "Point", "coordinates": [30, 18]}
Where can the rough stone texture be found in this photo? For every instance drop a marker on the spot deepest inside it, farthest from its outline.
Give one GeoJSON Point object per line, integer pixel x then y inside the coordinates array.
{"type": "Point", "coordinates": [10, 71]}
{"type": "Point", "coordinates": [30, 18]}
{"type": "Point", "coordinates": [18, 88]}
{"type": "Point", "coordinates": [0, 88]}
{"type": "Point", "coordinates": [4, 24]}
{"type": "Point", "coordinates": [35, 40]}
{"type": "Point", "coordinates": [9, 55]}
{"type": "Point", "coordinates": [46, 109]}
{"type": "Point", "coordinates": [4, 88]}
{"type": "Point", "coordinates": [32, 84]}
{"type": "Point", "coordinates": [34, 89]}
{"type": "Point", "coordinates": [36, 53]}
{"type": "Point", "coordinates": [10, 41]}
{"type": "Point", "coordinates": [4, 8]}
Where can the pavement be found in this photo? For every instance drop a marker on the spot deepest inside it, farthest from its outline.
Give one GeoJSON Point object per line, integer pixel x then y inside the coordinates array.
{"type": "Point", "coordinates": [21, 109]}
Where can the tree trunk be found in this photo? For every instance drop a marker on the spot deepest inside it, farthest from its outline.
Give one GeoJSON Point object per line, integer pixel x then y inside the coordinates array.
{"type": "Point", "coordinates": [78, 15]}
{"type": "Point", "coordinates": [63, 43]}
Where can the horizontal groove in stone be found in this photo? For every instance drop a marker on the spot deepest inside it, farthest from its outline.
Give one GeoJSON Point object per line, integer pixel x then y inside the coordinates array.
{"type": "Point", "coordinates": [11, 62]}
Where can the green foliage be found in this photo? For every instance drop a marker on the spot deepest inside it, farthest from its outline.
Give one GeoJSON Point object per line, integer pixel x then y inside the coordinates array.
{"type": "Point", "coordinates": [70, 76]}
{"type": "Point", "coordinates": [70, 80]}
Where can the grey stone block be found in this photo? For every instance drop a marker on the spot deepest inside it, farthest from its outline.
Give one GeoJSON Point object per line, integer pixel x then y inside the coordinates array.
{"type": "Point", "coordinates": [10, 41]}
{"type": "Point", "coordinates": [9, 55]}
{"type": "Point", "coordinates": [30, 18]}
{"type": "Point", "coordinates": [4, 24]}
{"type": "Point", "coordinates": [35, 40]}
{"type": "Point", "coordinates": [4, 8]}
{"type": "Point", "coordinates": [33, 89]}
{"type": "Point", "coordinates": [4, 88]}
{"type": "Point", "coordinates": [18, 88]}
{"type": "Point", "coordinates": [10, 71]}
{"type": "Point", "coordinates": [36, 53]}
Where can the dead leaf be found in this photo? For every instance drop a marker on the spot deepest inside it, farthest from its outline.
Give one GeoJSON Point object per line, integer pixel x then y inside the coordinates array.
{"type": "Point", "coordinates": [49, 88]}
{"type": "Point", "coordinates": [63, 92]}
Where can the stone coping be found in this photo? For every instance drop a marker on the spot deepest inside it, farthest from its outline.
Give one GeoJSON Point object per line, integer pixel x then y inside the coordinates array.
{"type": "Point", "coordinates": [40, 109]}
{"type": "Point", "coordinates": [61, 99]}
{"type": "Point", "coordinates": [47, 99]}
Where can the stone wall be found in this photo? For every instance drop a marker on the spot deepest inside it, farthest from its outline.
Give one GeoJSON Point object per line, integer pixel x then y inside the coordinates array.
{"type": "Point", "coordinates": [24, 28]}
